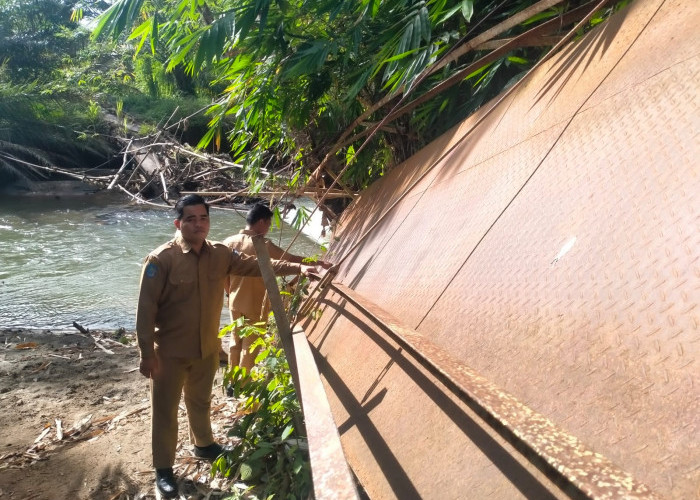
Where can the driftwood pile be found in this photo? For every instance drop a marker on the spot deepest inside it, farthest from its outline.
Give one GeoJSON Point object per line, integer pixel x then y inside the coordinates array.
{"type": "Point", "coordinates": [54, 436]}
{"type": "Point", "coordinates": [158, 167]}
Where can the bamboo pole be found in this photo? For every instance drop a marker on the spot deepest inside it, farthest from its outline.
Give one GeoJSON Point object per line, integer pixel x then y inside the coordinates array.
{"type": "Point", "coordinates": [331, 475]}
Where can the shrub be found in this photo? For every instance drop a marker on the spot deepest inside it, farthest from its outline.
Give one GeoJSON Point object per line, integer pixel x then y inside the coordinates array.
{"type": "Point", "coordinates": [271, 454]}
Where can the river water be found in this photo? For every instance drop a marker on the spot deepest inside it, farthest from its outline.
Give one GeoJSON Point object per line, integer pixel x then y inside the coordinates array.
{"type": "Point", "coordinates": [79, 258]}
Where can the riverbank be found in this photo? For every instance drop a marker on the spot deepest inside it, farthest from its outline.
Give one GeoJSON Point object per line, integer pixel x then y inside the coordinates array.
{"type": "Point", "coordinates": [75, 420]}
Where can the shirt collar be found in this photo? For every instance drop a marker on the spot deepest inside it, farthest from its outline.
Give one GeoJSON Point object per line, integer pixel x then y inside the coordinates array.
{"type": "Point", "coordinates": [249, 232]}
{"type": "Point", "coordinates": [186, 248]}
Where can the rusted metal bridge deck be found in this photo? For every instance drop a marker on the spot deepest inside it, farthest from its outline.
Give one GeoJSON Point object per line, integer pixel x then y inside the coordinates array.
{"type": "Point", "coordinates": [546, 249]}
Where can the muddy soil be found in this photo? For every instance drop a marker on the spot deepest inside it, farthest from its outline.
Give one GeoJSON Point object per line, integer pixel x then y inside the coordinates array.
{"type": "Point", "coordinates": [74, 420]}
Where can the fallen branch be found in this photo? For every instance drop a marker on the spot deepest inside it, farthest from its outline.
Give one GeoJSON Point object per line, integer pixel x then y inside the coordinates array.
{"type": "Point", "coordinates": [80, 328]}
{"type": "Point", "coordinates": [165, 188]}
{"type": "Point", "coordinates": [80, 176]}
{"type": "Point", "coordinates": [42, 435]}
{"type": "Point", "coordinates": [59, 429]}
{"type": "Point", "coordinates": [97, 343]}
{"type": "Point", "coordinates": [58, 356]}
{"type": "Point", "coordinates": [138, 199]}
{"type": "Point", "coordinates": [112, 341]}
{"type": "Point", "coordinates": [43, 366]}
{"type": "Point", "coordinates": [125, 162]}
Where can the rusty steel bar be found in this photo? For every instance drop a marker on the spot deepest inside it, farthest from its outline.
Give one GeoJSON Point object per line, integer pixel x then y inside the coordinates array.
{"type": "Point", "coordinates": [273, 292]}
{"type": "Point", "coordinates": [330, 471]}
{"type": "Point", "coordinates": [306, 306]}
{"type": "Point", "coordinates": [571, 465]}
{"type": "Point", "coordinates": [335, 193]}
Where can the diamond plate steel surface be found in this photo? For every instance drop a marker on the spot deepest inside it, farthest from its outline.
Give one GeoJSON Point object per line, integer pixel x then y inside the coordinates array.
{"type": "Point", "coordinates": [377, 414]}
{"type": "Point", "coordinates": [598, 288]}
{"type": "Point", "coordinates": [554, 247]}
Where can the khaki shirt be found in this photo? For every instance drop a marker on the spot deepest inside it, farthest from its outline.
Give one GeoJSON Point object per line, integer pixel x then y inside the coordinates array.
{"type": "Point", "coordinates": [247, 296]}
{"type": "Point", "coordinates": [181, 296]}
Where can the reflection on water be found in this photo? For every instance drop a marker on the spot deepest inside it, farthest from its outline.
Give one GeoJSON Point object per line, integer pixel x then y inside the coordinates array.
{"type": "Point", "coordinates": [79, 258]}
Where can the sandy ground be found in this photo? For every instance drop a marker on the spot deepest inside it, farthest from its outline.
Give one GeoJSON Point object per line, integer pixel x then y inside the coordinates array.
{"type": "Point", "coordinates": [74, 421]}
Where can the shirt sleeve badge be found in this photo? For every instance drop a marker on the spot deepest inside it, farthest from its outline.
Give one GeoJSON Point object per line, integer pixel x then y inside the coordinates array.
{"type": "Point", "coordinates": [151, 270]}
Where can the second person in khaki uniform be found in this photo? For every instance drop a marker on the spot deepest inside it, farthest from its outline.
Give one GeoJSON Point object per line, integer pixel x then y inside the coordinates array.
{"type": "Point", "coordinates": [247, 294]}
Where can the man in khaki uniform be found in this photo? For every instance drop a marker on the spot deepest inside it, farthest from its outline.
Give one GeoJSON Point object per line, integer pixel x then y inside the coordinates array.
{"type": "Point", "coordinates": [177, 325]}
{"type": "Point", "coordinates": [248, 295]}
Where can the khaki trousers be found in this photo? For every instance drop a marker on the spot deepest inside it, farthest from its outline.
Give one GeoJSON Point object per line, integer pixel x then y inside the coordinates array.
{"type": "Point", "coordinates": [196, 377]}
{"type": "Point", "coordinates": [239, 349]}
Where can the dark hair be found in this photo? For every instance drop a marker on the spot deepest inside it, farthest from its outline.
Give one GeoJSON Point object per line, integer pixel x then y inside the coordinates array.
{"type": "Point", "coordinates": [258, 212]}
{"type": "Point", "coordinates": [188, 200]}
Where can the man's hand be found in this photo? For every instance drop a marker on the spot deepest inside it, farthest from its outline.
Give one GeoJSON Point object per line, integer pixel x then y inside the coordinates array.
{"type": "Point", "coordinates": [325, 264]}
{"type": "Point", "coordinates": [314, 270]}
{"type": "Point", "coordinates": [148, 367]}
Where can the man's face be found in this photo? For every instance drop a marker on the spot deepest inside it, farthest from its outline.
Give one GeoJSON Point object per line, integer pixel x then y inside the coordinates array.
{"type": "Point", "coordinates": [194, 224]}
{"type": "Point", "coordinates": [262, 226]}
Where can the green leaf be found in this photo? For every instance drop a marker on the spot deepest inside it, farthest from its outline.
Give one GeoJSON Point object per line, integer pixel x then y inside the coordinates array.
{"type": "Point", "coordinates": [213, 39]}
{"type": "Point", "coordinates": [272, 385]}
{"type": "Point", "coordinates": [519, 60]}
{"type": "Point", "coordinates": [262, 355]}
{"type": "Point", "coordinates": [375, 7]}
{"type": "Point", "coordinates": [276, 217]}
{"type": "Point", "coordinates": [449, 13]}
{"type": "Point", "coordinates": [143, 31]}
{"type": "Point", "coordinates": [263, 450]}
{"type": "Point", "coordinates": [287, 432]}
{"type": "Point", "coordinates": [154, 33]}
{"type": "Point", "coordinates": [547, 14]}
{"type": "Point", "coordinates": [309, 58]}
{"type": "Point", "coordinates": [226, 330]}
{"type": "Point", "coordinates": [357, 85]}
{"type": "Point", "coordinates": [300, 217]}
{"type": "Point", "coordinates": [423, 23]}
{"type": "Point", "coordinates": [467, 8]}
{"type": "Point", "coordinates": [76, 15]}
{"type": "Point", "coordinates": [115, 19]}
{"type": "Point", "coordinates": [478, 71]}
{"type": "Point", "coordinates": [246, 471]}
{"type": "Point", "coordinates": [403, 55]}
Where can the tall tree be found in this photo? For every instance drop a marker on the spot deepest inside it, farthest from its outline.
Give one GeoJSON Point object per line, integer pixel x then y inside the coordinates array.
{"type": "Point", "coordinates": [34, 34]}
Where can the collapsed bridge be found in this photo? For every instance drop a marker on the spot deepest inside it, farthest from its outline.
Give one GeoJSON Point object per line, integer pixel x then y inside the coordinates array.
{"type": "Point", "coordinates": [516, 310]}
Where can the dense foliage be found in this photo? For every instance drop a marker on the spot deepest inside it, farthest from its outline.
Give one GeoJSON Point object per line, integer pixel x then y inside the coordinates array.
{"type": "Point", "coordinates": [355, 86]}
{"type": "Point", "coordinates": [35, 37]}
{"type": "Point", "coordinates": [306, 80]}
{"type": "Point", "coordinates": [56, 87]}
{"type": "Point", "coordinates": [270, 455]}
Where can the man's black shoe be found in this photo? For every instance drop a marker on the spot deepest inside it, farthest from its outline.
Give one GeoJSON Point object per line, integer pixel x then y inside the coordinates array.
{"type": "Point", "coordinates": [210, 452]}
{"type": "Point", "coordinates": [165, 483]}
